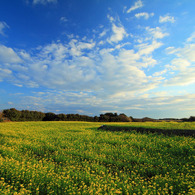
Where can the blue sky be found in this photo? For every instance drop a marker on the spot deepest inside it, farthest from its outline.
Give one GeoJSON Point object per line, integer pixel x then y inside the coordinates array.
{"type": "Point", "coordinates": [94, 56]}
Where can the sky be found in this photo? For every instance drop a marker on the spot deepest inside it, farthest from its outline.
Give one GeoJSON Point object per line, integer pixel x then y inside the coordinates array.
{"type": "Point", "coordinates": [95, 56]}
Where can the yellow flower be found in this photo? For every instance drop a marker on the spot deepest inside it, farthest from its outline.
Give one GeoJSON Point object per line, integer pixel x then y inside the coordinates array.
{"type": "Point", "coordinates": [118, 192]}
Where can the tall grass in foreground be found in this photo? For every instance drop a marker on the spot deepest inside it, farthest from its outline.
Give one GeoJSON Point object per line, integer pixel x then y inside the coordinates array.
{"type": "Point", "coordinates": [76, 158]}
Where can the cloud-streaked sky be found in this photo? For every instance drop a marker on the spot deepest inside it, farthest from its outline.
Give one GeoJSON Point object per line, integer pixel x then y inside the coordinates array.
{"type": "Point", "coordinates": [93, 56]}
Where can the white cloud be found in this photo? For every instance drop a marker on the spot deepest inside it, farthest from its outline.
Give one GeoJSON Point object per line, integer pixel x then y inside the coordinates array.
{"type": "Point", "coordinates": [18, 85]}
{"type": "Point", "coordinates": [76, 47]}
{"type": "Point", "coordinates": [3, 26]}
{"type": "Point", "coordinates": [171, 50]}
{"type": "Point", "coordinates": [111, 19]}
{"type": "Point", "coordinates": [85, 45]}
{"type": "Point", "coordinates": [128, 56]}
{"type": "Point", "coordinates": [148, 61]}
{"type": "Point", "coordinates": [56, 66]}
{"type": "Point", "coordinates": [110, 72]}
{"type": "Point", "coordinates": [167, 18]}
{"type": "Point", "coordinates": [82, 72]}
{"type": "Point", "coordinates": [191, 38]}
{"type": "Point", "coordinates": [118, 31]}
{"type": "Point", "coordinates": [183, 78]}
{"type": "Point", "coordinates": [156, 74]}
{"type": "Point", "coordinates": [44, 2]}
{"type": "Point", "coordinates": [4, 73]}
{"type": "Point", "coordinates": [138, 4]}
{"type": "Point", "coordinates": [75, 101]}
{"type": "Point", "coordinates": [146, 49]}
{"type": "Point", "coordinates": [118, 34]}
{"type": "Point", "coordinates": [24, 55]}
{"type": "Point", "coordinates": [182, 65]}
{"type": "Point", "coordinates": [145, 15]}
{"type": "Point", "coordinates": [103, 33]}
{"type": "Point", "coordinates": [188, 52]}
{"type": "Point", "coordinates": [8, 55]}
{"type": "Point", "coordinates": [156, 33]}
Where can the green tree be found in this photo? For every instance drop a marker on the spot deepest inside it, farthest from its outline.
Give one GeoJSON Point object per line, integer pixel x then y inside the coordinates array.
{"type": "Point", "coordinates": [62, 117]}
{"type": "Point", "coordinates": [12, 114]}
{"type": "Point", "coordinates": [124, 118]}
{"type": "Point", "coordinates": [50, 116]}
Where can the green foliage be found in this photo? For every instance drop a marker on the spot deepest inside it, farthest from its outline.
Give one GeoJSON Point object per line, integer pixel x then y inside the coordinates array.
{"type": "Point", "coordinates": [26, 115]}
{"type": "Point", "coordinates": [110, 117]}
{"type": "Point", "coordinates": [50, 116]}
{"type": "Point", "coordinates": [76, 158]}
{"type": "Point", "coordinates": [192, 118]}
{"type": "Point", "coordinates": [12, 114]}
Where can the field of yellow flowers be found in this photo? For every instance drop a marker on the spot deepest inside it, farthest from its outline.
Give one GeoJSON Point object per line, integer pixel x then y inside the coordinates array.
{"type": "Point", "coordinates": [77, 158]}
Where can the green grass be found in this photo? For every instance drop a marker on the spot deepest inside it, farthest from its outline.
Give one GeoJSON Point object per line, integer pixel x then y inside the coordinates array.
{"type": "Point", "coordinates": [77, 158]}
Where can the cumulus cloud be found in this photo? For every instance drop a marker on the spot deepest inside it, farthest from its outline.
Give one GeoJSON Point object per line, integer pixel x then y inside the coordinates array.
{"type": "Point", "coordinates": [81, 65]}
{"type": "Point", "coordinates": [76, 47]}
{"type": "Point", "coordinates": [182, 64]}
{"type": "Point", "coordinates": [144, 15]}
{"type": "Point", "coordinates": [83, 72]}
{"type": "Point", "coordinates": [118, 30]}
{"type": "Point", "coordinates": [111, 70]}
{"type": "Point", "coordinates": [138, 4]}
{"type": "Point", "coordinates": [8, 55]}
{"type": "Point", "coordinates": [118, 34]}
{"type": "Point", "coordinates": [167, 18]}
{"type": "Point", "coordinates": [68, 67]}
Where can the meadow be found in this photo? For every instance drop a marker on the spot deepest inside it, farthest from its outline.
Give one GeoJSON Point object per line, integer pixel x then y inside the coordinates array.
{"type": "Point", "coordinates": [78, 158]}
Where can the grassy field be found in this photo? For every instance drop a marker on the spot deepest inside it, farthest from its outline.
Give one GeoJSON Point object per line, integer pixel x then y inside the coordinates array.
{"type": "Point", "coordinates": [77, 158]}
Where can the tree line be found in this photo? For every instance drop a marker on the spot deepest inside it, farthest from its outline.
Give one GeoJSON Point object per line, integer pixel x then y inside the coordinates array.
{"type": "Point", "coordinates": [13, 114]}
{"type": "Point", "coordinates": [25, 115]}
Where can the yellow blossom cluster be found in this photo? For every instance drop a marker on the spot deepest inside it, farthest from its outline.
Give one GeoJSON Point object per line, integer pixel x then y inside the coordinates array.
{"type": "Point", "coordinates": [77, 158]}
